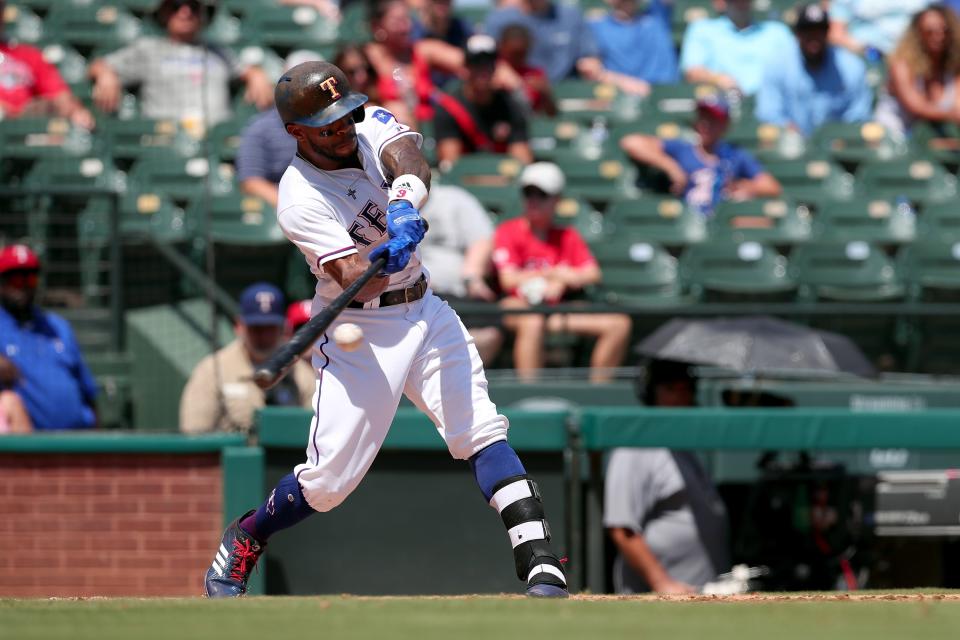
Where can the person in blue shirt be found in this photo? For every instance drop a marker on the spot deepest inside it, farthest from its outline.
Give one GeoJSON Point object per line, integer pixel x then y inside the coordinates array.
{"type": "Point", "coordinates": [636, 44]}
{"type": "Point", "coordinates": [871, 27]}
{"type": "Point", "coordinates": [814, 82]}
{"type": "Point", "coordinates": [561, 37]}
{"type": "Point", "coordinates": [55, 384]}
{"type": "Point", "coordinates": [731, 51]}
{"type": "Point", "coordinates": [709, 170]}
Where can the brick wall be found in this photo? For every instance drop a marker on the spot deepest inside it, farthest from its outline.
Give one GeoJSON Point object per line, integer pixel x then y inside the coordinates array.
{"type": "Point", "coordinates": [108, 525]}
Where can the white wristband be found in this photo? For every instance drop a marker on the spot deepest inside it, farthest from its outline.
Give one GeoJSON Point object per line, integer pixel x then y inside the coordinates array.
{"type": "Point", "coordinates": [410, 188]}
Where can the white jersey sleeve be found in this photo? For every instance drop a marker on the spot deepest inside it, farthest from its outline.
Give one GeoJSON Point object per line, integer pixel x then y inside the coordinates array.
{"type": "Point", "coordinates": [313, 226]}
{"type": "Point", "coordinates": [381, 128]}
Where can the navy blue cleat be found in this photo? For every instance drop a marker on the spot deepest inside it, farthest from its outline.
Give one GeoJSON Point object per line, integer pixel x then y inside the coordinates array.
{"type": "Point", "coordinates": [237, 556]}
{"type": "Point", "coordinates": [546, 579]}
{"type": "Point", "coordinates": [546, 591]}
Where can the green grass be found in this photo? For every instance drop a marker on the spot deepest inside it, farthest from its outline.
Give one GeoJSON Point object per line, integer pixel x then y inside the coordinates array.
{"type": "Point", "coordinates": [344, 618]}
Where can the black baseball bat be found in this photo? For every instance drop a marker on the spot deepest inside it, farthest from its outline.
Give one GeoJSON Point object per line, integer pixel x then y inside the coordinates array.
{"type": "Point", "coordinates": [277, 365]}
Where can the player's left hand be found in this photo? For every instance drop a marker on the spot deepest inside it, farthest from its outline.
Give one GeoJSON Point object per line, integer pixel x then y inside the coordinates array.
{"type": "Point", "coordinates": [404, 221]}
{"type": "Point", "coordinates": [397, 252]}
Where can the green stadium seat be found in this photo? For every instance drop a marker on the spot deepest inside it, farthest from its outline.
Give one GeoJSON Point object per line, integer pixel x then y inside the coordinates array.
{"type": "Point", "coordinates": [283, 27]}
{"type": "Point", "coordinates": [811, 180]}
{"type": "Point", "coordinates": [181, 179]}
{"type": "Point", "coordinates": [140, 214]}
{"type": "Point", "coordinates": [29, 139]}
{"type": "Point", "coordinates": [224, 139]}
{"type": "Point", "coordinates": [846, 271]}
{"type": "Point", "coordinates": [130, 140]}
{"type": "Point", "coordinates": [245, 7]}
{"type": "Point", "coordinates": [919, 180]}
{"type": "Point", "coordinates": [550, 136]}
{"type": "Point", "coordinates": [75, 173]}
{"type": "Point", "coordinates": [736, 272]}
{"type": "Point", "coordinates": [22, 24]}
{"type": "Point", "coordinates": [663, 220]}
{"type": "Point", "coordinates": [599, 181]}
{"type": "Point", "coordinates": [776, 221]}
{"type": "Point", "coordinates": [677, 101]}
{"type": "Point", "coordinates": [853, 143]}
{"type": "Point", "coordinates": [931, 270]}
{"type": "Point", "coordinates": [237, 219]}
{"type": "Point", "coordinates": [115, 397]}
{"type": "Point", "coordinates": [637, 273]}
{"type": "Point", "coordinates": [491, 178]}
{"type": "Point", "coordinates": [939, 221]}
{"type": "Point", "coordinates": [475, 15]}
{"type": "Point", "coordinates": [871, 220]}
{"type": "Point", "coordinates": [586, 101]}
{"type": "Point", "coordinates": [68, 61]}
{"type": "Point", "coordinates": [354, 27]}
{"type": "Point", "coordinates": [761, 139]}
{"type": "Point", "coordinates": [94, 25]}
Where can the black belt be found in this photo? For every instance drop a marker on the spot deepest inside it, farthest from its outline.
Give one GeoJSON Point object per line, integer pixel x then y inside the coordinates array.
{"type": "Point", "coordinates": [399, 296]}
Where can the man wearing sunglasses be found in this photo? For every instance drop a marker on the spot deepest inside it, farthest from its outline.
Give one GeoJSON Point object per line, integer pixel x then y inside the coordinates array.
{"type": "Point", "coordinates": [540, 263]}
{"type": "Point", "coordinates": [180, 76]}
{"type": "Point", "coordinates": [55, 384]}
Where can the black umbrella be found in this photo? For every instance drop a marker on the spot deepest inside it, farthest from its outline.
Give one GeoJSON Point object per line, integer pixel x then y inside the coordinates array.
{"type": "Point", "coordinates": [756, 344]}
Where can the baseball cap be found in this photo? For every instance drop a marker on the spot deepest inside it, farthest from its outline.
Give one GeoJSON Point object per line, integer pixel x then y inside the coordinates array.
{"type": "Point", "coordinates": [812, 16]}
{"type": "Point", "coordinates": [262, 304]}
{"type": "Point", "coordinates": [18, 257]}
{"type": "Point", "coordinates": [298, 313]}
{"type": "Point", "coordinates": [481, 49]}
{"type": "Point", "coordinates": [715, 104]}
{"type": "Point", "coordinates": [545, 176]}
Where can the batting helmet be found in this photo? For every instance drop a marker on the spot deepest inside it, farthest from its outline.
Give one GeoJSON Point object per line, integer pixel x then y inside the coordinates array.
{"type": "Point", "coordinates": [316, 94]}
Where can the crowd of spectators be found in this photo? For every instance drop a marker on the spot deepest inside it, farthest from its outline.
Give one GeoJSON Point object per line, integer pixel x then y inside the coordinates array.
{"type": "Point", "coordinates": [476, 87]}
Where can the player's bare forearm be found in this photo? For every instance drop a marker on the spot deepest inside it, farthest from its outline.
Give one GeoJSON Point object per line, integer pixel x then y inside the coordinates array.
{"type": "Point", "coordinates": [402, 156]}
{"type": "Point", "coordinates": [347, 269]}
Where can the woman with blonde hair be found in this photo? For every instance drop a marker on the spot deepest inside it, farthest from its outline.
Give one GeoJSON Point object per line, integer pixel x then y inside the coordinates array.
{"type": "Point", "coordinates": [924, 71]}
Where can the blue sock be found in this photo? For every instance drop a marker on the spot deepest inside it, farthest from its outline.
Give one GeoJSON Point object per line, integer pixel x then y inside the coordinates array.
{"type": "Point", "coordinates": [493, 464]}
{"type": "Point", "coordinates": [285, 507]}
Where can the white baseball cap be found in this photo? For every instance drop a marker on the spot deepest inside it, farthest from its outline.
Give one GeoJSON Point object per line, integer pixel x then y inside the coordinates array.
{"type": "Point", "coordinates": [545, 176]}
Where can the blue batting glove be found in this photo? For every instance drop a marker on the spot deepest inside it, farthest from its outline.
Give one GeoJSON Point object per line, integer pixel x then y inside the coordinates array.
{"type": "Point", "coordinates": [404, 221]}
{"type": "Point", "coordinates": [397, 251]}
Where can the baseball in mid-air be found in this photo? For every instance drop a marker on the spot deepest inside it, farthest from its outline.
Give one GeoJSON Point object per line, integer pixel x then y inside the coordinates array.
{"type": "Point", "coordinates": [348, 336]}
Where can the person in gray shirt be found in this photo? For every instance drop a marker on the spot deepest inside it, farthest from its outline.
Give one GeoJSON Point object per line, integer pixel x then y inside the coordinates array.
{"type": "Point", "coordinates": [661, 510]}
{"type": "Point", "coordinates": [457, 253]}
{"type": "Point", "coordinates": [180, 77]}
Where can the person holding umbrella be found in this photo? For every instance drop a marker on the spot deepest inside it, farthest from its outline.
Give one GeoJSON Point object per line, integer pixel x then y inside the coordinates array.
{"type": "Point", "coordinates": [661, 509]}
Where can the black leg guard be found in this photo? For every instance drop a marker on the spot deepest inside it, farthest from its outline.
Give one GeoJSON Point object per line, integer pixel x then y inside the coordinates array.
{"type": "Point", "coordinates": [517, 499]}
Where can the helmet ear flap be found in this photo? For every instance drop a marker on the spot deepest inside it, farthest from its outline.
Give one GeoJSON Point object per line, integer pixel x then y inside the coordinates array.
{"type": "Point", "coordinates": [358, 114]}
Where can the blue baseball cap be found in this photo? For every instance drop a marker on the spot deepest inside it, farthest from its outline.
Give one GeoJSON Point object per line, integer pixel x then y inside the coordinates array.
{"type": "Point", "coordinates": [262, 304]}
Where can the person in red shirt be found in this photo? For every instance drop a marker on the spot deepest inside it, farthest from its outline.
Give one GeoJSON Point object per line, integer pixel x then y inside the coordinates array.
{"type": "Point", "coordinates": [540, 263]}
{"type": "Point", "coordinates": [514, 74]}
{"type": "Point", "coordinates": [29, 85]}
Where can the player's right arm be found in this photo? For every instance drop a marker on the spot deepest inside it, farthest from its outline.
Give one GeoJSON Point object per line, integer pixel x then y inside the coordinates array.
{"type": "Point", "coordinates": [346, 270]}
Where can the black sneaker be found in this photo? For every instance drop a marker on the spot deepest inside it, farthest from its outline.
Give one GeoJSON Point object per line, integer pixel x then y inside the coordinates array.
{"type": "Point", "coordinates": [237, 556]}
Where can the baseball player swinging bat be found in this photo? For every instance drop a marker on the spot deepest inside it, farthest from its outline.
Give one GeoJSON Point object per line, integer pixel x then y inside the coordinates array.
{"type": "Point", "coordinates": [277, 366]}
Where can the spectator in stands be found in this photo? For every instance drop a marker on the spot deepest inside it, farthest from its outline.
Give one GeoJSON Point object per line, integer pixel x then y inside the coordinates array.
{"type": "Point", "coordinates": [221, 394]}
{"type": "Point", "coordinates": [561, 37]}
{"type": "Point", "coordinates": [13, 413]}
{"type": "Point", "coordinates": [538, 263]}
{"type": "Point", "coordinates": [924, 74]}
{"type": "Point", "coordinates": [871, 28]}
{"type": "Point", "coordinates": [661, 509]}
{"type": "Point", "coordinates": [297, 315]}
{"type": "Point", "coordinates": [526, 82]}
{"type": "Point", "coordinates": [731, 51]}
{"type": "Point", "coordinates": [404, 68]}
{"type": "Point", "coordinates": [636, 44]}
{"type": "Point", "coordinates": [477, 116]}
{"type": "Point", "coordinates": [55, 384]}
{"type": "Point", "coordinates": [710, 170]}
{"type": "Point", "coordinates": [815, 82]}
{"type": "Point", "coordinates": [457, 253]}
{"type": "Point", "coordinates": [180, 77]}
{"type": "Point", "coordinates": [265, 147]}
{"type": "Point", "coordinates": [435, 20]}
{"type": "Point", "coordinates": [31, 86]}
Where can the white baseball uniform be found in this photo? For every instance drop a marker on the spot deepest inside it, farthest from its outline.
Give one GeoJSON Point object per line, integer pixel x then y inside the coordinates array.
{"type": "Point", "coordinates": [419, 348]}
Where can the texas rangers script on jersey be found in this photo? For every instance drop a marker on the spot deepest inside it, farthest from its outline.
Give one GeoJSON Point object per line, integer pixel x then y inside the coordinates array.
{"type": "Point", "coordinates": [332, 214]}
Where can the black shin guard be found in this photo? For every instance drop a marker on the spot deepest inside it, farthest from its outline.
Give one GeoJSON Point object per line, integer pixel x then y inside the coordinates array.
{"type": "Point", "coordinates": [517, 499]}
